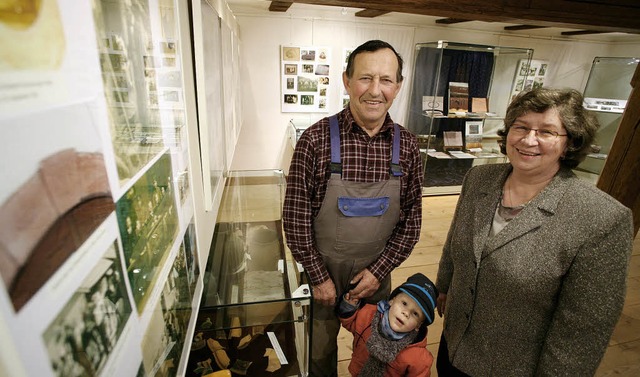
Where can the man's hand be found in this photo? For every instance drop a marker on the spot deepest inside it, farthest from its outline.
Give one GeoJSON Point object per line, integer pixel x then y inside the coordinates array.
{"type": "Point", "coordinates": [325, 293]}
{"type": "Point", "coordinates": [367, 285]}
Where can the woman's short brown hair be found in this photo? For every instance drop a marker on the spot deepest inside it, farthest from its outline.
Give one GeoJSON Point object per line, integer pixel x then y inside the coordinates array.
{"type": "Point", "coordinates": [580, 123]}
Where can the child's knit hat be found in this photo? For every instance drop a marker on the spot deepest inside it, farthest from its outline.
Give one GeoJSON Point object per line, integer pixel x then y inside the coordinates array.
{"type": "Point", "coordinates": [423, 292]}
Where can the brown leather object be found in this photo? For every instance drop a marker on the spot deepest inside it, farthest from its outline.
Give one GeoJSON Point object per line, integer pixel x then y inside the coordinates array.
{"type": "Point", "coordinates": [47, 218]}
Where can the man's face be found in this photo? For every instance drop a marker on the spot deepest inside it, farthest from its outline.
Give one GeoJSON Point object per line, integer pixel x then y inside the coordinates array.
{"type": "Point", "coordinates": [372, 87]}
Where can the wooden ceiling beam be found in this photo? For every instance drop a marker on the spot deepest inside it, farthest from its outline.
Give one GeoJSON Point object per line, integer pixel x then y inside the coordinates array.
{"type": "Point", "coordinates": [450, 21]}
{"type": "Point", "coordinates": [582, 32]}
{"type": "Point", "coordinates": [370, 13]}
{"type": "Point", "coordinates": [619, 16]}
{"type": "Point", "coordinates": [523, 27]}
{"type": "Point", "coordinates": [279, 6]}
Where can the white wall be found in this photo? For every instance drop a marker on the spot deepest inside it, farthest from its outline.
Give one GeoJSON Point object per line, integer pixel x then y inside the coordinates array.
{"type": "Point", "coordinates": [263, 140]}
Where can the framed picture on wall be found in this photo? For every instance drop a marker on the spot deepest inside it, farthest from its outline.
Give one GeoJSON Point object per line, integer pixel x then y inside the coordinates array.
{"type": "Point", "coordinates": [304, 74]}
{"type": "Point", "coordinates": [530, 74]}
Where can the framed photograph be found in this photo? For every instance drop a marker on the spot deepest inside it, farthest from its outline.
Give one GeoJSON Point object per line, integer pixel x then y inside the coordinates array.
{"type": "Point", "coordinates": [148, 223]}
{"type": "Point", "coordinates": [307, 100]}
{"type": "Point", "coordinates": [529, 74]}
{"type": "Point", "coordinates": [291, 54]}
{"type": "Point", "coordinates": [306, 84]}
{"type": "Point", "coordinates": [322, 69]}
{"type": "Point", "coordinates": [290, 69]}
{"type": "Point", "coordinates": [91, 321]}
{"type": "Point", "coordinates": [291, 98]}
{"type": "Point", "coordinates": [308, 55]}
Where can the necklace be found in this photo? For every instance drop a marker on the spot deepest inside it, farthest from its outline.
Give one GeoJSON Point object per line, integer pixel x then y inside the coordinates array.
{"type": "Point", "coordinates": [508, 190]}
{"type": "Point", "coordinates": [507, 212]}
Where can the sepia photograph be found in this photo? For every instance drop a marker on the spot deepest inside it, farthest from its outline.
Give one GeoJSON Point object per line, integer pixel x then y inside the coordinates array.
{"type": "Point", "coordinates": [290, 69]}
{"type": "Point", "coordinates": [164, 339]}
{"type": "Point", "coordinates": [307, 85]}
{"type": "Point", "coordinates": [306, 99]}
{"type": "Point", "coordinates": [308, 55]}
{"type": "Point", "coordinates": [291, 54]}
{"type": "Point", "coordinates": [82, 337]}
{"type": "Point", "coordinates": [290, 98]}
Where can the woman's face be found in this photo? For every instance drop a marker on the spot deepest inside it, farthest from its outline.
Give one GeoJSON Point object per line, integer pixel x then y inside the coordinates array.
{"type": "Point", "coordinates": [404, 315]}
{"type": "Point", "coordinates": [534, 155]}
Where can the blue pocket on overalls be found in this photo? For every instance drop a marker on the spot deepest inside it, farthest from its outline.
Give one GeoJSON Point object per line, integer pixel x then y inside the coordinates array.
{"type": "Point", "coordinates": [361, 207]}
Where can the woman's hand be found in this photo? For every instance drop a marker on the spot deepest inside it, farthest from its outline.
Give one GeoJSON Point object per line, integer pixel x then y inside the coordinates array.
{"type": "Point", "coordinates": [441, 302]}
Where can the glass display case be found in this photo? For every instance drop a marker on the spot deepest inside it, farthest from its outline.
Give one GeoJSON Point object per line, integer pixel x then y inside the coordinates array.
{"type": "Point", "coordinates": [606, 93]}
{"type": "Point", "coordinates": [459, 95]}
{"type": "Point", "coordinates": [296, 127]}
{"type": "Point", "coordinates": [254, 314]}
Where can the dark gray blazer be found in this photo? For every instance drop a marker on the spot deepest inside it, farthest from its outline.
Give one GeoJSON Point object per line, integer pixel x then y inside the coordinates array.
{"type": "Point", "coordinates": [542, 296]}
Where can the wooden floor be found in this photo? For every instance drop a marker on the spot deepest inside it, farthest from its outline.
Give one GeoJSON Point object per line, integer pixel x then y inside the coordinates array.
{"type": "Point", "coordinates": [623, 355]}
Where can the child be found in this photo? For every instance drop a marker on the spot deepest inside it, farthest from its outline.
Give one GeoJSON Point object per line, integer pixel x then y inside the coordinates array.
{"type": "Point", "coordinates": [390, 338]}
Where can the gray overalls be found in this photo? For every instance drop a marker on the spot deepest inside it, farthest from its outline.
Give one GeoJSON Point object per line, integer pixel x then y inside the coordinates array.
{"type": "Point", "coordinates": [355, 221]}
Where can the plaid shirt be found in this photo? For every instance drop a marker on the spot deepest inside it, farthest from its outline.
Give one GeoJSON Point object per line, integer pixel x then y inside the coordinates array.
{"type": "Point", "coordinates": [364, 159]}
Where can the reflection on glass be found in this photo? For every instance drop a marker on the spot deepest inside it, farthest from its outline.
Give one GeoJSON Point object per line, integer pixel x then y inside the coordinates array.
{"type": "Point", "coordinates": [142, 78]}
{"type": "Point", "coordinates": [248, 305]}
{"type": "Point", "coordinates": [148, 223]}
{"type": "Point", "coordinates": [606, 94]}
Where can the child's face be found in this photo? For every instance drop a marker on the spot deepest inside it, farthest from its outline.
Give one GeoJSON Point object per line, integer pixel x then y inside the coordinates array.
{"type": "Point", "coordinates": [404, 315]}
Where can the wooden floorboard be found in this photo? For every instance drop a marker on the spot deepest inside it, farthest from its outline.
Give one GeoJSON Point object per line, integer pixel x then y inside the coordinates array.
{"type": "Point", "coordinates": [622, 358]}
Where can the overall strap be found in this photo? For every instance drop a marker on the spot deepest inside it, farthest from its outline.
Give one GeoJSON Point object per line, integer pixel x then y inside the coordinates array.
{"type": "Point", "coordinates": [396, 170]}
{"type": "Point", "coordinates": [334, 131]}
{"type": "Point", "coordinates": [336, 161]}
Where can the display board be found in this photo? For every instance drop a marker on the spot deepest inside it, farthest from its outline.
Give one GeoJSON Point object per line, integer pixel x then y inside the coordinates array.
{"type": "Point", "coordinates": [305, 82]}
{"type": "Point", "coordinates": [98, 258]}
{"type": "Point", "coordinates": [530, 74]}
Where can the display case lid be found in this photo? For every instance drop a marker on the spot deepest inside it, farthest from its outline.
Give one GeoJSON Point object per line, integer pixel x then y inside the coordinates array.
{"type": "Point", "coordinates": [442, 44]}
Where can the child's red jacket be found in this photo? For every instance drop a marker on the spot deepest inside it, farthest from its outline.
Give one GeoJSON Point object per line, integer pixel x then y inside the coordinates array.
{"type": "Point", "coordinates": [413, 361]}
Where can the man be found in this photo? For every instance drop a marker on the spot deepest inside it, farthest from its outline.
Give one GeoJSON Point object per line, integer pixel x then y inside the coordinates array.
{"type": "Point", "coordinates": [352, 210]}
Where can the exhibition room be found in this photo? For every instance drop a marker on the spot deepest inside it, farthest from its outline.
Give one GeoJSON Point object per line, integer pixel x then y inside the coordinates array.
{"type": "Point", "coordinates": [146, 146]}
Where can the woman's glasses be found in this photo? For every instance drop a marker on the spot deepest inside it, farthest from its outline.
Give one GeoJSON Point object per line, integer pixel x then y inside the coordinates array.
{"type": "Point", "coordinates": [544, 136]}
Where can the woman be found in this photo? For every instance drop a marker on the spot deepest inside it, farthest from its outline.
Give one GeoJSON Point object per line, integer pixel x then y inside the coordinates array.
{"type": "Point", "coordinates": [533, 271]}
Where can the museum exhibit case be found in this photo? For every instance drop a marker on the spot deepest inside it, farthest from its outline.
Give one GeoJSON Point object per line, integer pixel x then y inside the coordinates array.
{"type": "Point", "coordinates": [606, 92]}
{"type": "Point", "coordinates": [256, 304]}
{"type": "Point", "coordinates": [459, 96]}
